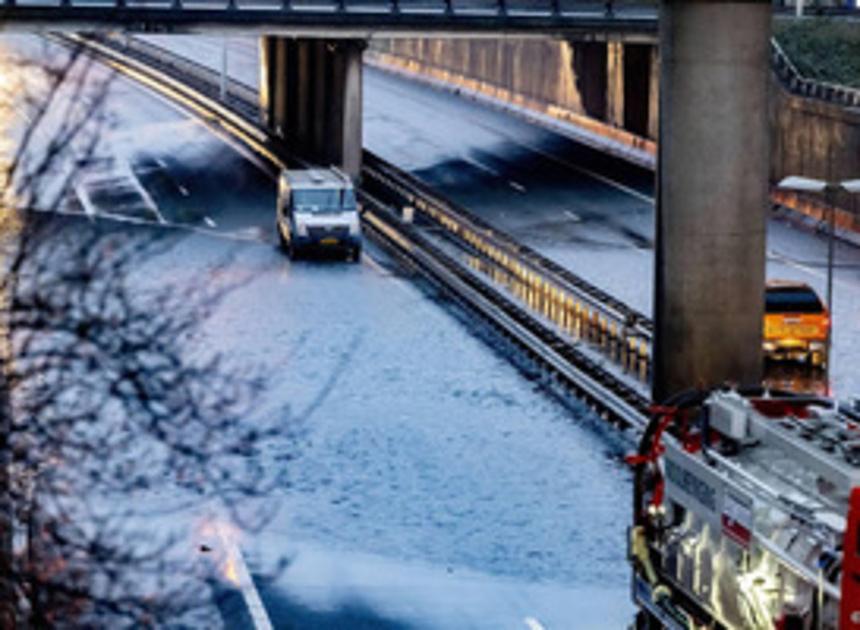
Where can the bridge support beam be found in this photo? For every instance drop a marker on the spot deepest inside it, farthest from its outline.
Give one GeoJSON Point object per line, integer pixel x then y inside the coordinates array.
{"type": "Point", "coordinates": [311, 95]}
{"type": "Point", "coordinates": [712, 193]}
{"type": "Point", "coordinates": [615, 77]}
{"type": "Point", "coordinates": [638, 68]}
{"type": "Point", "coordinates": [591, 75]}
{"type": "Point", "coordinates": [618, 82]}
{"type": "Point", "coordinates": [654, 95]}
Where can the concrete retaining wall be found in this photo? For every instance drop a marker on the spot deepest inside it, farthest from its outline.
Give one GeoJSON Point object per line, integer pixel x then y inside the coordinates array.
{"type": "Point", "coordinates": [819, 140]}
{"type": "Point", "coordinates": [571, 78]}
{"type": "Point", "coordinates": [539, 70]}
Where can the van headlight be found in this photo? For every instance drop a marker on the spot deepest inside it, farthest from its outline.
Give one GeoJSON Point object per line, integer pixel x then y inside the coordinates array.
{"type": "Point", "coordinates": [354, 229]}
{"type": "Point", "coordinates": [301, 229]}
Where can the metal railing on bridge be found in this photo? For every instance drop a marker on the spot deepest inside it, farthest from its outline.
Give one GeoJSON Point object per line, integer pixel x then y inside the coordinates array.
{"type": "Point", "coordinates": [796, 83]}
{"type": "Point", "coordinates": [317, 16]}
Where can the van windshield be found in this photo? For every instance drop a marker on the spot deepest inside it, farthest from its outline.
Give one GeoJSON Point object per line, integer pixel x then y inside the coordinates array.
{"type": "Point", "coordinates": [792, 300]}
{"type": "Point", "coordinates": [323, 200]}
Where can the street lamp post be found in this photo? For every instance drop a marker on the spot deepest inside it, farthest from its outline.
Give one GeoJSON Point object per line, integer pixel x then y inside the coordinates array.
{"type": "Point", "coordinates": [829, 188]}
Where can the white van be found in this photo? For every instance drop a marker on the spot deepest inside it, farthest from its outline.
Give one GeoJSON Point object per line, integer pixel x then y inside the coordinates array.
{"type": "Point", "coordinates": [317, 209]}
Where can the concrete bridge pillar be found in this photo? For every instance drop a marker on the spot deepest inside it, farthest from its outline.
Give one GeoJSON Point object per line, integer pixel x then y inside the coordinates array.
{"type": "Point", "coordinates": [712, 198]}
{"type": "Point", "coordinates": [344, 112]}
{"type": "Point", "coordinates": [311, 95]}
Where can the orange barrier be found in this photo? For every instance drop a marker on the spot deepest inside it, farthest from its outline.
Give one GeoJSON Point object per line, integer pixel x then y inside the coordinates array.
{"type": "Point", "coordinates": [815, 209]}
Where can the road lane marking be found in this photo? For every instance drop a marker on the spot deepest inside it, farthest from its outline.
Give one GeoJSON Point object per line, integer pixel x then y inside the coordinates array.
{"type": "Point", "coordinates": [772, 253]}
{"type": "Point", "coordinates": [86, 203]}
{"type": "Point", "coordinates": [495, 173]}
{"type": "Point", "coordinates": [373, 264]}
{"type": "Point", "coordinates": [237, 236]}
{"type": "Point", "coordinates": [815, 273]}
{"type": "Point", "coordinates": [573, 216]}
{"type": "Point", "coordinates": [587, 171]}
{"type": "Point", "coordinates": [144, 194]}
{"type": "Point", "coordinates": [208, 221]}
{"type": "Point", "coordinates": [237, 573]}
{"type": "Point", "coordinates": [482, 167]}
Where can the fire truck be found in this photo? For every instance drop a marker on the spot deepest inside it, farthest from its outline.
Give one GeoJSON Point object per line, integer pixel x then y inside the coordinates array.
{"type": "Point", "coordinates": [746, 513]}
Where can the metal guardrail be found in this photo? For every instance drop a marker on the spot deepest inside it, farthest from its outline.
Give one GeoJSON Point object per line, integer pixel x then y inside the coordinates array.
{"type": "Point", "coordinates": [796, 83]}
{"type": "Point", "coordinates": [547, 312]}
{"type": "Point", "coordinates": [239, 7]}
{"type": "Point", "coordinates": [580, 309]}
{"type": "Point", "coordinates": [586, 377]}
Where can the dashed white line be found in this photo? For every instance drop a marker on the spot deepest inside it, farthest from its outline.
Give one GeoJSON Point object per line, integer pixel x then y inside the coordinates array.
{"type": "Point", "coordinates": [482, 167]}
{"type": "Point", "coordinates": [573, 216]}
{"type": "Point", "coordinates": [494, 172]}
{"type": "Point", "coordinates": [183, 190]}
{"type": "Point", "coordinates": [210, 222]}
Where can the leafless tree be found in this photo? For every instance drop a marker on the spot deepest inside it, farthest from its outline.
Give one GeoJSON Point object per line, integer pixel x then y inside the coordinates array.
{"type": "Point", "coordinates": [109, 423]}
